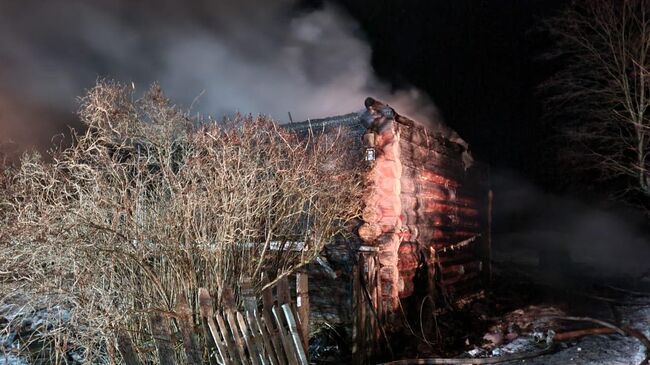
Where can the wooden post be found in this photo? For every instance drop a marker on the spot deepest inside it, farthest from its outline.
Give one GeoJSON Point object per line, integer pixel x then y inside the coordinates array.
{"type": "Point", "coordinates": [488, 250]}
{"type": "Point", "coordinates": [283, 296]}
{"type": "Point", "coordinates": [205, 306]}
{"type": "Point", "coordinates": [302, 299]}
{"type": "Point", "coordinates": [125, 347]}
{"type": "Point", "coordinates": [359, 330]}
{"type": "Point", "coordinates": [373, 325]}
{"type": "Point", "coordinates": [267, 320]}
{"type": "Point", "coordinates": [248, 293]}
{"type": "Point", "coordinates": [162, 338]}
{"type": "Point", "coordinates": [186, 326]}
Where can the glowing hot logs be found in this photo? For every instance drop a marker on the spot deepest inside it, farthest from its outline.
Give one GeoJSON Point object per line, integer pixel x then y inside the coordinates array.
{"type": "Point", "coordinates": [420, 200]}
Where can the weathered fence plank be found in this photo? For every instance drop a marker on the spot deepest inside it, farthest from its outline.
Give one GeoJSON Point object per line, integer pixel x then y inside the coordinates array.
{"type": "Point", "coordinates": [274, 336]}
{"type": "Point", "coordinates": [239, 341]}
{"type": "Point", "coordinates": [278, 347]}
{"type": "Point", "coordinates": [287, 344]}
{"type": "Point", "coordinates": [162, 338]}
{"type": "Point", "coordinates": [253, 352]}
{"type": "Point", "coordinates": [261, 342]}
{"type": "Point", "coordinates": [126, 349]}
{"type": "Point", "coordinates": [293, 329]}
{"type": "Point", "coordinates": [230, 344]}
{"type": "Point", "coordinates": [186, 326]}
{"type": "Point", "coordinates": [302, 304]}
{"type": "Point", "coordinates": [205, 306]}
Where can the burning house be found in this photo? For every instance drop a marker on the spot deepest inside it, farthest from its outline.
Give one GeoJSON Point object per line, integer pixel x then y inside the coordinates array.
{"type": "Point", "coordinates": [424, 231]}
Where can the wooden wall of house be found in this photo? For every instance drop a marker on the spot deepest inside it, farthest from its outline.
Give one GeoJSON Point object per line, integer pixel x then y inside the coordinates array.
{"type": "Point", "coordinates": [425, 211]}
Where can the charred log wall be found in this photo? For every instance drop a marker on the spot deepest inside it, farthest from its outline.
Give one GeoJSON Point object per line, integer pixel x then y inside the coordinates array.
{"type": "Point", "coordinates": [425, 211]}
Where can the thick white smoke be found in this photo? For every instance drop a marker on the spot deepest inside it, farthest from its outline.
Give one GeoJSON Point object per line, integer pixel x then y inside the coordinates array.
{"type": "Point", "coordinates": [217, 57]}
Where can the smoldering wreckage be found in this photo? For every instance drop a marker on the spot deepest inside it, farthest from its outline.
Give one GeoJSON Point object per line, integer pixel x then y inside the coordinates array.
{"type": "Point", "coordinates": [411, 281]}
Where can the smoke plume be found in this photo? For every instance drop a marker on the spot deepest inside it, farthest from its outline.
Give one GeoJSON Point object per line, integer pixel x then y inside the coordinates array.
{"type": "Point", "coordinates": [213, 57]}
{"type": "Point", "coordinates": [529, 221]}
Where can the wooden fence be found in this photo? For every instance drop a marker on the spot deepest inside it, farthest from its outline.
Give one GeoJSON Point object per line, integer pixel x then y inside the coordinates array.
{"type": "Point", "coordinates": [248, 337]}
{"type": "Point", "coordinates": [274, 333]}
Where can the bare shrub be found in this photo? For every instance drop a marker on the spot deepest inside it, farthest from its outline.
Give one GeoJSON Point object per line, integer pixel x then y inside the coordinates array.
{"type": "Point", "coordinates": [148, 206]}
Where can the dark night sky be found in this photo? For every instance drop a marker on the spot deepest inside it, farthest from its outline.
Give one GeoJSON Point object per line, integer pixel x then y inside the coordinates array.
{"type": "Point", "coordinates": [479, 62]}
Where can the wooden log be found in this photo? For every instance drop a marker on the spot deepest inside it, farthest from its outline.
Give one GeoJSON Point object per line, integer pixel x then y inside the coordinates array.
{"type": "Point", "coordinates": [439, 178]}
{"type": "Point", "coordinates": [388, 258]}
{"type": "Point", "coordinates": [457, 257]}
{"type": "Point", "coordinates": [461, 269]}
{"type": "Point", "coordinates": [415, 186]}
{"type": "Point", "coordinates": [432, 235]}
{"type": "Point", "coordinates": [449, 245]}
{"type": "Point", "coordinates": [385, 169]}
{"type": "Point", "coordinates": [425, 206]}
{"type": "Point", "coordinates": [408, 287]}
{"type": "Point", "coordinates": [370, 197]}
{"type": "Point", "coordinates": [431, 152]}
{"type": "Point", "coordinates": [390, 203]}
{"type": "Point", "coordinates": [407, 262]}
{"type": "Point", "coordinates": [423, 137]}
{"type": "Point", "coordinates": [436, 192]}
{"type": "Point", "coordinates": [388, 189]}
{"type": "Point", "coordinates": [162, 338]}
{"type": "Point", "coordinates": [186, 326]}
{"type": "Point", "coordinates": [442, 194]}
{"type": "Point", "coordinates": [388, 152]}
{"type": "Point", "coordinates": [302, 304]}
{"type": "Point", "coordinates": [431, 160]}
{"type": "Point", "coordinates": [385, 135]}
{"type": "Point", "coordinates": [369, 232]}
{"type": "Point", "coordinates": [371, 214]}
{"type": "Point", "coordinates": [441, 221]}
{"type": "Point", "coordinates": [459, 278]}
